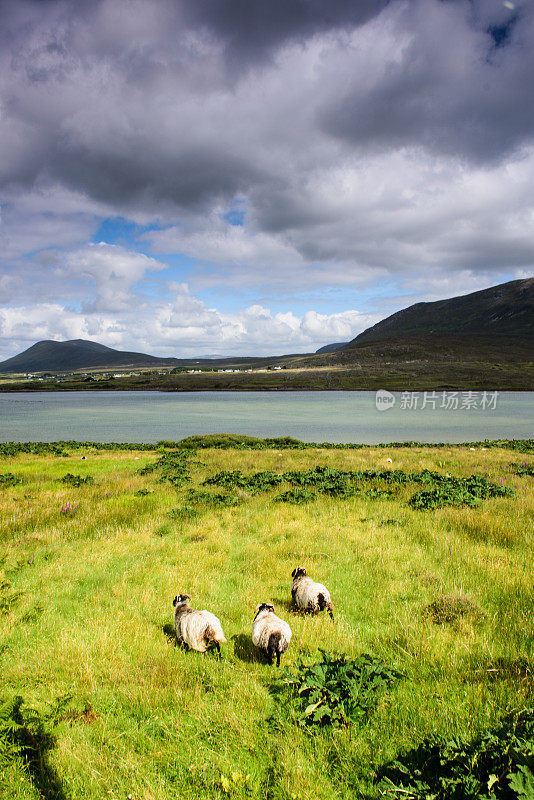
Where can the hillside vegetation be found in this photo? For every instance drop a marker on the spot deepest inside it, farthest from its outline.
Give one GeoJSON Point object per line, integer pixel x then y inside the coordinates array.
{"type": "Point", "coordinates": [429, 560]}
{"type": "Point", "coordinates": [504, 310]}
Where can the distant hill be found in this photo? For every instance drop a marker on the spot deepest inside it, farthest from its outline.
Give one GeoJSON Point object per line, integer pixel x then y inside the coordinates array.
{"type": "Point", "coordinates": [80, 354]}
{"type": "Point", "coordinates": [50, 356]}
{"type": "Point", "coordinates": [504, 310]}
{"type": "Point", "coordinates": [329, 348]}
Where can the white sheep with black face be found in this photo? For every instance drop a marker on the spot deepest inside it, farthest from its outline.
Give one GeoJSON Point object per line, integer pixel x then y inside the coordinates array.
{"type": "Point", "coordinates": [308, 595]}
{"type": "Point", "coordinates": [270, 633]}
{"type": "Point", "coordinates": [197, 629]}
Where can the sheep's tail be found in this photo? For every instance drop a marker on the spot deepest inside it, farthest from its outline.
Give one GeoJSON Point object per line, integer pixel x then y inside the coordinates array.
{"type": "Point", "coordinates": [211, 634]}
{"type": "Point", "coordinates": [276, 647]}
{"type": "Point", "coordinates": [324, 603]}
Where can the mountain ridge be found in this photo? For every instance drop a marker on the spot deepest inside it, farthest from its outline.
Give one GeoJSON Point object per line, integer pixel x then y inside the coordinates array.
{"type": "Point", "coordinates": [506, 309]}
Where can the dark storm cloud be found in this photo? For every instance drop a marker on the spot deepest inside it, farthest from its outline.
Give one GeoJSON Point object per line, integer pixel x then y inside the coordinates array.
{"type": "Point", "coordinates": [251, 29]}
{"type": "Point", "coordinates": [460, 84]}
{"type": "Point", "coordinates": [356, 137]}
{"type": "Point", "coordinates": [188, 180]}
{"type": "Point", "coordinates": [126, 101]}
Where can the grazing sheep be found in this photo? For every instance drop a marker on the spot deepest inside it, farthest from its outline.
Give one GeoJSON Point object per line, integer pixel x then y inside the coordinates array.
{"type": "Point", "coordinates": [308, 595]}
{"type": "Point", "coordinates": [270, 633]}
{"type": "Point", "coordinates": [198, 629]}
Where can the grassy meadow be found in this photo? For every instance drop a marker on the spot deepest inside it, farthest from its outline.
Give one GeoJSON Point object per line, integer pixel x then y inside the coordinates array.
{"type": "Point", "coordinates": [88, 574]}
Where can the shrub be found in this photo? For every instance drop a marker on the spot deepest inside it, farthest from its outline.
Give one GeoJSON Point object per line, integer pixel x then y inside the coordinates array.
{"type": "Point", "coordinates": [495, 766]}
{"type": "Point", "coordinates": [221, 500]}
{"type": "Point", "coordinates": [174, 467]}
{"type": "Point", "coordinates": [296, 496]}
{"type": "Point", "coordinates": [184, 513]}
{"type": "Point", "coordinates": [522, 469]}
{"type": "Point", "coordinates": [29, 735]}
{"type": "Point", "coordinates": [457, 492]}
{"type": "Point", "coordinates": [336, 690]}
{"type": "Point", "coordinates": [8, 479]}
{"type": "Point", "coordinates": [76, 480]}
{"type": "Point", "coordinates": [257, 482]}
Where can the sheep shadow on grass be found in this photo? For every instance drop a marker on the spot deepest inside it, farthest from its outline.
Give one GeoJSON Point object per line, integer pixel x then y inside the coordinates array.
{"type": "Point", "coordinates": [246, 651]}
{"type": "Point", "coordinates": [170, 634]}
{"type": "Point", "coordinates": [287, 606]}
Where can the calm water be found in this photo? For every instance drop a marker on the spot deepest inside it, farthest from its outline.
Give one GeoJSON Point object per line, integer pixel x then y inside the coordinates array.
{"type": "Point", "coordinates": [310, 416]}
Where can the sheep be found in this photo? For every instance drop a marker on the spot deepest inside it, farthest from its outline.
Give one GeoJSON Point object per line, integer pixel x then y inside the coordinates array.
{"type": "Point", "coordinates": [270, 633]}
{"type": "Point", "coordinates": [197, 629]}
{"type": "Point", "coordinates": [308, 595]}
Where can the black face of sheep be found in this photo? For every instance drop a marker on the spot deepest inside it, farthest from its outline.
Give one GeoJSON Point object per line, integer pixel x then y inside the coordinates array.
{"type": "Point", "coordinates": [180, 598]}
{"type": "Point", "coordinates": [264, 607]}
{"type": "Point", "coordinates": [298, 572]}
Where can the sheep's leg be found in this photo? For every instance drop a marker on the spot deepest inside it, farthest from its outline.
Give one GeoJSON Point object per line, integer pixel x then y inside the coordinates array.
{"type": "Point", "coordinates": [218, 648]}
{"type": "Point", "coordinates": [272, 647]}
{"type": "Point", "coordinates": [277, 658]}
{"type": "Point", "coordinates": [331, 614]}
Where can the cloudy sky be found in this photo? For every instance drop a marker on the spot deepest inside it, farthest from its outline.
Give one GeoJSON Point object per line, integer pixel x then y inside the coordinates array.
{"type": "Point", "coordinates": [189, 177]}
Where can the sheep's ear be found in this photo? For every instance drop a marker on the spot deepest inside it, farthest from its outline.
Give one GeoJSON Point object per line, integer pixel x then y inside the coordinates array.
{"type": "Point", "coordinates": [294, 572]}
{"type": "Point", "coordinates": [175, 600]}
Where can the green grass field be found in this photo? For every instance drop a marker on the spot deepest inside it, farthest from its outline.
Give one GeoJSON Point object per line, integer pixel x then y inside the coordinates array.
{"type": "Point", "coordinates": [88, 575]}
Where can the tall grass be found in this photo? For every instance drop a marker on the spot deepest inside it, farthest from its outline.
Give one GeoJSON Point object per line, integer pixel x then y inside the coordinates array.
{"type": "Point", "coordinates": [88, 615]}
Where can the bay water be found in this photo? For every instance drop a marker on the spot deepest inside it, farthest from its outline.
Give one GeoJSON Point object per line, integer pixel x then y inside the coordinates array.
{"type": "Point", "coordinates": [311, 416]}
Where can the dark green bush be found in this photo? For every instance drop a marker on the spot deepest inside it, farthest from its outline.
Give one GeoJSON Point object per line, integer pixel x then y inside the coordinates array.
{"type": "Point", "coordinates": [76, 480]}
{"type": "Point", "coordinates": [297, 495]}
{"type": "Point", "coordinates": [184, 513]}
{"type": "Point", "coordinates": [221, 500]}
{"type": "Point", "coordinates": [241, 442]}
{"type": "Point", "coordinates": [496, 766]}
{"type": "Point", "coordinates": [458, 492]}
{"type": "Point", "coordinates": [336, 690]}
{"type": "Point", "coordinates": [174, 467]}
{"type": "Point", "coordinates": [522, 469]}
{"type": "Point", "coordinates": [28, 735]}
{"type": "Point", "coordinates": [8, 479]}
{"type": "Point", "coordinates": [257, 482]}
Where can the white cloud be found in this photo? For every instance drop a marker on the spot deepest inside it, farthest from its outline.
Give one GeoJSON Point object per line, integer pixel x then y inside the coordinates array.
{"type": "Point", "coordinates": [183, 326]}
{"type": "Point", "coordinates": [113, 269]}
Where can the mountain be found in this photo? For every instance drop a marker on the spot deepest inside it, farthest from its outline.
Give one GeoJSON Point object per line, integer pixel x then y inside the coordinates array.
{"type": "Point", "coordinates": [50, 356]}
{"type": "Point", "coordinates": [504, 310]}
{"type": "Point", "coordinates": [329, 348]}
{"type": "Point", "coordinates": [79, 354]}
{"type": "Point", "coordinates": [483, 339]}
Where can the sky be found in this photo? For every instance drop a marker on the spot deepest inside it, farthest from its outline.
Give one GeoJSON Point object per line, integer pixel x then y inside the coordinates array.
{"type": "Point", "coordinates": [201, 177]}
